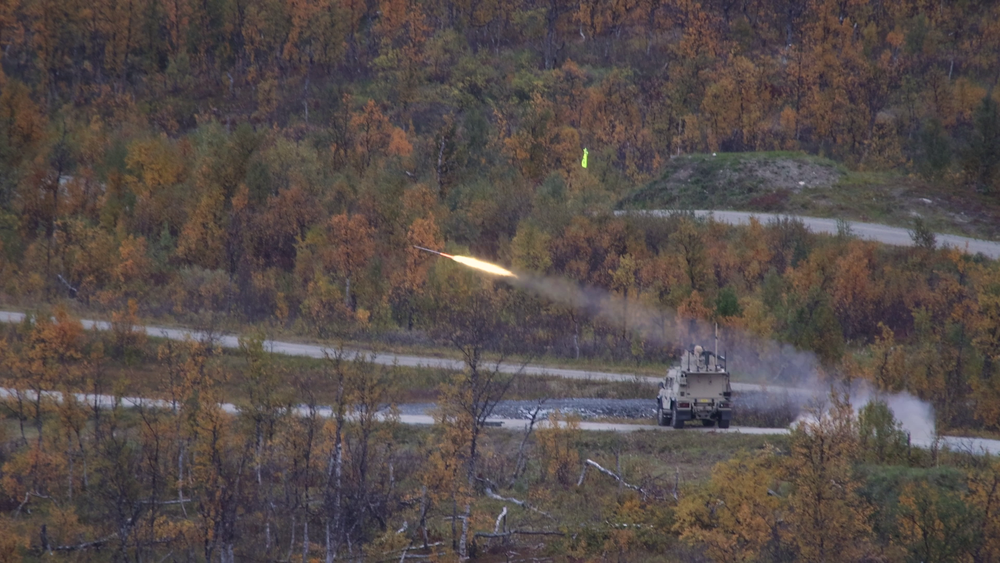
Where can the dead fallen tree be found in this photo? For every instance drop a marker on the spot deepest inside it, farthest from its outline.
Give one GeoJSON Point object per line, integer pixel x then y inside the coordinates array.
{"type": "Point", "coordinates": [510, 533]}
{"type": "Point", "coordinates": [523, 504]}
{"type": "Point", "coordinates": [505, 540]}
{"type": "Point", "coordinates": [609, 473]}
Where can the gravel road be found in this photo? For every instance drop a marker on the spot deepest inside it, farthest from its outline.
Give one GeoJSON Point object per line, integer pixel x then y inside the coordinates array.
{"type": "Point", "coordinates": [586, 409]}
{"type": "Point", "coordinates": [871, 231]}
{"type": "Point", "coordinates": [754, 408]}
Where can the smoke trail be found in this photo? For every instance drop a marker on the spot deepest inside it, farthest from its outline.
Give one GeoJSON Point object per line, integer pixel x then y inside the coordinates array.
{"type": "Point", "coordinates": [756, 359]}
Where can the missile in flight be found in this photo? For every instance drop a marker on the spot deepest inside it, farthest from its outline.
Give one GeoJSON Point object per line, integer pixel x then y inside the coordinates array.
{"type": "Point", "coordinates": [433, 251]}
{"type": "Point", "coordinates": [473, 263]}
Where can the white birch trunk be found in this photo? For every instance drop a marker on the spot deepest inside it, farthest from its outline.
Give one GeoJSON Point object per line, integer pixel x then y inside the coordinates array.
{"type": "Point", "coordinates": [463, 540]}
{"type": "Point", "coordinates": [329, 550]}
{"type": "Point", "coordinates": [305, 540]}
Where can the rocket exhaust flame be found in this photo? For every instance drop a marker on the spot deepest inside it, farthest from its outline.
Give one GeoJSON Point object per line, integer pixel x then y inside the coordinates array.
{"type": "Point", "coordinates": [482, 266]}
{"type": "Point", "coordinates": [473, 263]}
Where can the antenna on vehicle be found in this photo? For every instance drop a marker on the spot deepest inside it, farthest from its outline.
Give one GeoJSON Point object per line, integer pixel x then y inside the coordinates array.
{"type": "Point", "coordinates": [716, 345]}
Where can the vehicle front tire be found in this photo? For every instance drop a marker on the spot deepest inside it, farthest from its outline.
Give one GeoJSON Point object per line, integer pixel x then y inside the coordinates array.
{"type": "Point", "coordinates": [723, 424]}
{"type": "Point", "coordinates": [675, 420]}
{"type": "Point", "coordinates": [661, 416]}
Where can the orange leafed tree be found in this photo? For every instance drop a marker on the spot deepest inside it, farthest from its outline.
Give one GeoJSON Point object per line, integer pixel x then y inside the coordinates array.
{"type": "Point", "coordinates": [829, 519]}
{"type": "Point", "coordinates": [738, 516]}
{"type": "Point", "coordinates": [352, 247]}
{"type": "Point", "coordinates": [410, 281]}
{"type": "Point", "coordinates": [375, 136]}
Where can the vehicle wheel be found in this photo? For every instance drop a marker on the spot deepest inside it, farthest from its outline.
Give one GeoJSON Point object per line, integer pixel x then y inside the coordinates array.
{"type": "Point", "coordinates": [661, 417]}
{"type": "Point", "coordinates": [708, 422]}
{"type": "Point", "coordinates": [675, 420]}
{"type": "Point", "coordinates": [723, 424]}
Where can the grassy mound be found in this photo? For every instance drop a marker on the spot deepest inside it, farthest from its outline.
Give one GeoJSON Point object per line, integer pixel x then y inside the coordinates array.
{"type": "Point", "coordinates": [799, 184]}
{"type": "Point", "coordinates": [745, 181]}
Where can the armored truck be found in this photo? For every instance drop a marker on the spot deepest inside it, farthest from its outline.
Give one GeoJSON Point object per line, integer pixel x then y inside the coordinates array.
{"type": "Point", "coordinates": [697, 389]}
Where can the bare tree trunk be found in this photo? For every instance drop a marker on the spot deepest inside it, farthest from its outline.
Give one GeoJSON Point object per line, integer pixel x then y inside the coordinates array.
{"type": "Point", "coordinates": [20, 415]}
{"type": "Point", "coordinates": [180, 479]}
{"type": "Point", "coordinates": [69, 456]}
{"type": "Point", "coordinates": [463, 547]}
{"type": "Point", "coordinates": [291, 542]}
{"type": "Point", "coordinates": [454, 518]}
{"type": "Point", "coordinates": [576, 338]}
{"type": "Point", "coordinates": [439, 163]}
{"type": "Point", "coordinates": [38, 415]}
{"type": "Point", "coordinates": [86, 480]}
{"type": "Point", "coordinates": [520, 464]}
{"type": "Point", "coordinates": [338, 476]}
{"type": "Point", "coordinates": [305, 539]}
{"type": "Point", "coordinates": [305, 94]}
{"type": "Point", "coordinates": [335, 471]}
{"type": "Point", "coordinates": [423, 515]}
{"type": "Point", "coordinates": [329, 551]}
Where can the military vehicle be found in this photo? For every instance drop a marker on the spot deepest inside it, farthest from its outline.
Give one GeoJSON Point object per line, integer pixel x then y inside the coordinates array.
{"type": "Point", "coordinates": [697, 389]}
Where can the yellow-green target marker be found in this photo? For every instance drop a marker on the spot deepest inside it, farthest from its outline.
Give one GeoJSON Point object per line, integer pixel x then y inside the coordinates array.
{"type": "Point", "coordinates": [584, 163]}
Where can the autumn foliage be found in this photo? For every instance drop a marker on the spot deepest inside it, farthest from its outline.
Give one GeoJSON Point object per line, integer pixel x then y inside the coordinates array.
{"type": "Point", "coordinates": [226, 163]}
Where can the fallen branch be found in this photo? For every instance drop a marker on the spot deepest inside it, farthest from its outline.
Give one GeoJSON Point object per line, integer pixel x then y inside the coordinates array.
{"type": "Point", "coordinates": [96, 544]}
{"type": "Point", "coordinates": [390, 555]}
{"type": "Point", "coordinates": [609, 473]}
{"type": "Point", "coordinates": [517, 532]}
{"type": "Point", "coordinates": [20, 506]}
{"type": "Point", "coordinates": [72, 290]}
{"type": "Point", "coordinates": [165, 502]}
{"type": "Point", "coordinates": [86, 545]}
{"type": "Point", "coordinates": [496, 527]}
{"type": "Point", "coordinates": [521, 503]}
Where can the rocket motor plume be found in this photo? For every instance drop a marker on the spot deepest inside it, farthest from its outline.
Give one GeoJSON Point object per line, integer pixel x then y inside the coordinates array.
{"type": "Point", "coordinates": [473, 263]}
{"type": "Point", "coordinates": [483, 266]}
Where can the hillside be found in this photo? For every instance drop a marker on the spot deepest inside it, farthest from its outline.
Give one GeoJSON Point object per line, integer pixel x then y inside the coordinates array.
{"type": "Point", "coordinates": [268, 166]}
{"type": "Point", "coordinates": [798, 184]}
{"type": "Point", "coordinates": [750, 181]}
